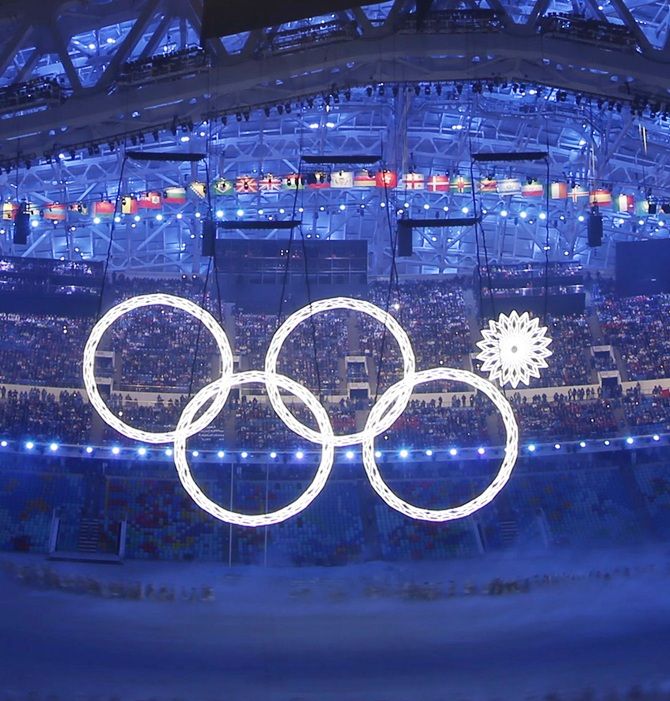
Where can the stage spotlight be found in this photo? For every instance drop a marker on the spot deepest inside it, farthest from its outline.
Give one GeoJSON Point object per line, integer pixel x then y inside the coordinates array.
{"type": "Point", "coordinates": [273, 454]}
{"type": "Point", "coordinates": [29, 445]}
{"type": "Point", "coordinates": [244, 455]}
{"type": "Point", "coordinates": [531, 448]}
{"type": "Point", "coordinates": [378, 453]}
{"type": "Point", "coordinates": [53, 447]}
{"type": "Point", "coordinates": [116, 450]}
{"type": "Point", "coordinates": [582, 444]}
{"type": "Point", "coordinates": [221, 454]}
{"type": "Point", "coordinates": [299, 454]}
{"type": "Point", "coordinates": [168, 452]}
{"type": "Point", "coordinates": [481, 451]}
{"type": "Point", "coordinates": [195, 453]}
{"type": "Point", "coordinates": [630, 440]}
{"type": "Point", "coordinates": [557, 446]}
{"type": "Point", "coordinates": [3, 444]}
{"type": "Point", "coordinates": [606, 442]}
{"type": "Point", "coordinates": [404, 453]}
{"type": "Point", "coordinates": [453, 452]}
{"type": "Point", "coordinates": [656, 437]}
{"type": "Point", "coordinates": [429, 453]}
{"type": "Point", "coordinates": [89, 450]}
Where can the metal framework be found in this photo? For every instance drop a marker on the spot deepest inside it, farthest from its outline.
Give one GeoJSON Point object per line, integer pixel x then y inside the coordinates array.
{"type": "Point", "coordinates": [361, 81]}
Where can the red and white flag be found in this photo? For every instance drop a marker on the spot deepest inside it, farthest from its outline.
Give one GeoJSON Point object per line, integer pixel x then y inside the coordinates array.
{"type": "Point", "coordinates": [438, 183]}
{"type": "Point", "coordinates": [413, 181]}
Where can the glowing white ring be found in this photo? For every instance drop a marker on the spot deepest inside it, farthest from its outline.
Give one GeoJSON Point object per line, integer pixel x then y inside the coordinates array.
{"type": "Point", "coordinates": [129, 305]}
{"type": "Point", "coordinates": [372, 428]}
{"type": "Point", "coordinates": [504, 473]}
{"type": "Point", "coordinates": [222, 387]}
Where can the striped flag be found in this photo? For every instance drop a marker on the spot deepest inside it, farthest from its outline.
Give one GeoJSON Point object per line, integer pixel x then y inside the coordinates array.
{"type": "Point", "coordinates": [55, 212]}
{"type": "Point", "coordinates": [532, 188]}
{"type": "Point", "coordinates": [600, 197]}
{"type": "Point", "coordinates": [174, 195]}
{"type": "Point", "coordinates": [558, 191]}
{"type": "Point", "coordinates": [364, 178]}
{"type": "Point", "coordinates": [578, 192]}
{"type": "Point", "coordinates": [129, 205]}
{"type": "Point", "coordinates": [198, 188]}
{"type": "Point", "coordinates": [104, 209]}
{"type": "Point", "coordinates": [413, 181]}
{"type": "Point", "coordinates": [625, 204]}
{"type": "Point", "coordinates": [342, 179]}
{"type": "Point", "coordinates": [293, 182]}
{"type": "Point", "coordinates": [149, 200]}
{"type": "Point", "coordinates": [438, 183]}
{"type": "Point", "coordinates": [509, 186]}
{"type": "Point", "coordinates": [318, 181]}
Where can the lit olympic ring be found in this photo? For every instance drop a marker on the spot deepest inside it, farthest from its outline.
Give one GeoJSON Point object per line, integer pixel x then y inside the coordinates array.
{"type": "Point", "coordinates": [383, 415]}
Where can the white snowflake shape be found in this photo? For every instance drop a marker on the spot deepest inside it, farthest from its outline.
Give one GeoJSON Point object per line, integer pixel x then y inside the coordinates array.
{"type": "Point", "coordinates": [514, 349]}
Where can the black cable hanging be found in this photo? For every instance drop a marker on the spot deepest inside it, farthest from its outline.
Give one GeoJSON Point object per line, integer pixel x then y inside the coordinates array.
{"type": "Point", "coordinates": [393, 279]}
{"type": "Point", "coordinates": [546, 239]}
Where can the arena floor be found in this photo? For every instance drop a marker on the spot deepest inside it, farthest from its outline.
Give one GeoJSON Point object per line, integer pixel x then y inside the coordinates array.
{"type": "Point", "coordinates": [287, 634]}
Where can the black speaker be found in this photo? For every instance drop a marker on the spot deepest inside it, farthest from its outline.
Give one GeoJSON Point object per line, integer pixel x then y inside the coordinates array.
{"type": "Point", "coordinates": [595, 230]}
{"type": "Point", "coordinates": [21, 225]}
{"type": "Point", "coordinates": [405, 248]}
{"type": "Point", "coordinates": [208, 237]}
{"type": "Point", "coordinates": [653, 208]}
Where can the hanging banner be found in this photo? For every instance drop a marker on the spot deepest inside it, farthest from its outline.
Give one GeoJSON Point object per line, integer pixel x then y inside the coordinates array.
{"type": "Point", "coordinates": [293, 182]}
{"type": "Point", "coordinates": [488, 185]}
{"type": "Point", "coordinates": [174, 195]}
{"type": "Point", "coordinates": [104, 209]}
{"type": "Point", "coordinates": [625, 204]}
{"type": "Point", "coordinates": [558, 191]}
{"type": "Point", "coordinates": [269, 183]}
{"type": "Point", "coordinates": [532, 188]}
{"type": "Point", "coordinates": [222, 186]}
{"type": "Point", "coordinates": [577, 192]}
{"type": "Point", "coordinates": [55, 212]}
{"type": "Point", "coordinates": [246, 185]}
{"type": "Point", "coordinates": [509, 186]}
{"type": "Point", "coordinates": [129, 205]}
{"type": "Point", "coordinates": [413, 181]}
{"type": "Point", "coordinates": [386, 179]}
{"type": "Point", "coordinates": [342, 179]}
{"type": "Point", "coordinates": [438, 183]}
{"type": "Point", "coordinates": [364, 178]}
{"type": "Point", "coordinates": [600, 198]}
{"type": "Point", "coordinates": [78, 208]}
{"type": "Point", "coordinates": [9, 210]}
{"type": "Point", "coordinates": [149, 200]}
{"type": "Point", "coordinates": [317, 181]}
{"type": "Point", "coordinates": [461, 184]}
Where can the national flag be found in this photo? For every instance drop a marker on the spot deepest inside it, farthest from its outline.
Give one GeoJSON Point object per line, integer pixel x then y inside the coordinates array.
{"type": "Point", "coordinates": [642, 207]}
{"type": "Point", "coordinates": [9, 210]}
{"type": "Point", "coordinates": [488, 185]}
{"type": "Point", "coordinates": [413, 181]}
{"type": "Point", "coordinates": [293, 182]}
{"type": "Point", "coordinates": [460, 184]}
{"type": "Point", "coordinates": [129, 204]}
{"type": "Point", "coordinates": [342, 179]}
{"type": "Point", "coordinates": [149, 200]}
{"type": "Point", "coordinates": [600, 197]}
{"type": "Point", "coordinates": [174, 195]}
{"type": "Point", "coordinates": [104, 209]}
{"type": "Point", "coordinates": [269, 183]}
{"type": "Point", "coordinates": [438, 183]}
{"type": "Point", "coordinates": [509, 186]}
{"type": "Point", "coordinates": [246, 185]}
{"type": "Point", "coordinates": [317, 181]}
{"type": "Point", "coordinates": [558, 191]}
{"type": "Point", "coordinates": [55, 212]}
{"type": "Point", "coordinates": [364, 178]}
{"type": "Point", "coordinates": [624, 204]}
{"type": "Point", "coordinates": [577, 191]}
{"type": "Point", "coordinates": [386, 179]}
{"type": "Point", "coordinates": [198, 188]}
{"type": "Point", "coordinates": [80, 208]}
{"type": "Point", "coordinates": [32, 209]}
{"type": "Point", "coordinates": [532, 188]}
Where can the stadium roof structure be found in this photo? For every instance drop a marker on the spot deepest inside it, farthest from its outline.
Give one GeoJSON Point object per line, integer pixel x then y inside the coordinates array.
{"type": "Point", "coordinates": [585, 81]}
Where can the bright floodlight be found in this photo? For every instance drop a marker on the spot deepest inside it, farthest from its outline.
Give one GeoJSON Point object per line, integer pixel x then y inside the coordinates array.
{"type": "Point", "coordinates": [606, 442]}
{"type": "Point", "coordinates": [116, 450]}
{"type": "Point", "coordinates": [656, 437]}
{"type": "Point", "coordinates": [3, 444]}
{"type": "Point", "coordinates": [221, 454]}
{"type": "Point", "coordinates": [514, 349]}
{"type": "Point", "coordinates": [629, 440]}
{"type": "Point", "coordinates": [350, 454]}
{"type": "Point", "coordinates": [244, 455]}
{"type": "Point", "coordinates": [142, 451]}
{"type": "Point", "coordinates": [53, 447]}
{"type": "Point", "coordinates": [404, 453]}
{"type": "Point", "coordinates": [453, 452]}
{"type": "Point", "coordinates": [481, 451]}
{"type": "Point", "coordinates": [89, 450]}
{"type": "Point", "coordinates": [273, 455]}
{"type": "Point", "coordinates": [168, 452]}
{"type": "Point", "coordinates": [300, 455]}
{"type": "Point", "coordinates": [582, 444]}
{"type": "Point", "coordinates": [429, 453]}
{"type": "Point", "coordinates": [557, 446]}
{"type": "Point", "coordinates": [531, 448]}
{"type": "Point", "coordinates": [29, 445]}
{"type": "Point", "coordinates": [195, 453]}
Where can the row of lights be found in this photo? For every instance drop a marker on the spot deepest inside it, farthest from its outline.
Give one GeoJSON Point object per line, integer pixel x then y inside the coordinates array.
{"type": "Point", "coordinates": [403, 453]}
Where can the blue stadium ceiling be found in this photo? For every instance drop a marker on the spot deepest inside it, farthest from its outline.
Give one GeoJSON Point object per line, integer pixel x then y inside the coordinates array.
{"type": "Point", "coordinates": [586, 81]}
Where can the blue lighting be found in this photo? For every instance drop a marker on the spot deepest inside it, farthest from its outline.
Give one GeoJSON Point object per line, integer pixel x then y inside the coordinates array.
{"type": "Point", "coordinates": [453, 452]}
{"type": "Point", "coordinates": [350, 454]}
{"type": "Point", "coordinates": [53, 447]}
{"type": "Point", "coordinates": [606, 442]}
{"type": "Point", "coordinates": [142, 451]}
{"type": "Point", "coordinates": [244, 455]}
{"type": "Point", "coordinates": [221, 454]}
{"type": "Point", "coordinates": [481, 451]}
{"type": "Point", "coordinates": [404, 453]}
{"type": "Point", "coordinates": [240, 212]}
{"type": "Point", "coordinates": [531, 448]}
{"type": "Point", "coordinates": [557, 446]}
{"type": "Point", "coordinates": [273, 454]}
{"type": "Point", "coordinates": [582, 444]}
{"type": "Point", "coordinates": [656, 437]}
{"type": "Point", "coordinates": [29, 445]}
{"type": "Point", "coordinates": [3, 444]}
{"type": "Point", "coordinates": [89, 450]}
{"type": "Point", "coordinates": [219, 213]}
{"type": "Point", "coordinates": [630, 440]}
{"type": "Point", "coordinates": [168, 452]}
{"type": "Point", "coordinates": [299, 454]}
{"type": "Point", "coordinates": [195, 453]}
{"type": "Point", "coordinates": [116, 450]}
{"type": "Point", "coordinates": [378, 453]}
{"type": "Point", "coordinates": [429, 453]}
